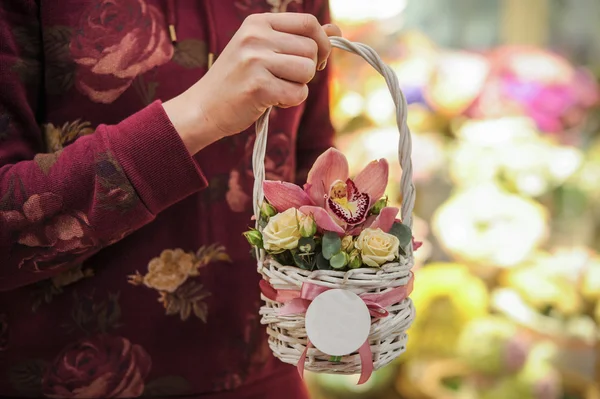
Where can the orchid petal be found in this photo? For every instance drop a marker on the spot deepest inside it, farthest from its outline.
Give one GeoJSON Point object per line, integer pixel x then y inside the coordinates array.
{"type": "Point", "coordinates": [373, 179]}
{"type": "Point", "coordinates": [332, 165]}
{"type": "Point", "coordinates": [283, 195]}
{"type": "Point", "coordinates": [355, 230]}
{"type": "Point", "coordinates": [322, 218]}
{"type": "Point", "coordinates": [385, 219]}
{"type": "Point", "coordinates": [352, 212]}
{"type": "Point", "coordinates": [416, 244]}
{"type": "Point", "coordinates": [369, 221]}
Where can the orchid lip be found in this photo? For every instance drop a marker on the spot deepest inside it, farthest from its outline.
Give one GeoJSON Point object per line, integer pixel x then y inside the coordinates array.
{"type": "Point", "coordinates": [347, 203]}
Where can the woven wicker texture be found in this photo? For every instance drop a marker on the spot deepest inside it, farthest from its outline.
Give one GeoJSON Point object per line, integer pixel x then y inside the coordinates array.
{"type": "Point", "coordinates": [387, 337]}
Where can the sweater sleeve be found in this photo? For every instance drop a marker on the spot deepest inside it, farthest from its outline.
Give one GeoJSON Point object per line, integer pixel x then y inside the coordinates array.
{"type": "Point", "coordinates": [58, 209]}
{"type": "Point", "coordinates": [316, 133]}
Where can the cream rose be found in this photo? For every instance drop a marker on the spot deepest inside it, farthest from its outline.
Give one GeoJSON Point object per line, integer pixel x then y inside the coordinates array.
{"type": "Point", "coordinates": [283, 231]}
{"type": "Point", "coordinates": [377, 247]}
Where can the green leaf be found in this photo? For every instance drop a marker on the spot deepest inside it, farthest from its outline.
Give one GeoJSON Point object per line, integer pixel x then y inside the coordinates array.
{"type": "Point", "coordinates": [302, 261]}
{"type": "Point", "coordinates": [335, 359]}
{"type": "Point", "coordinates": [403, 233]}
{"type": "Point", "coordinates": [191, 53]}
{"type": "Point", "coordinates": [339, 260]}
{"type": "Point", "coordinates": [26, 377]}
{"type": "Point", "coordinates": [322, 263]}
{"type": "Point", "coordinates": [167, 386]}
{"type": "Point", "coordinates": [59, 78]}
{"type": "Point", "coordinates": [57, 40]}
{"type": "Point", "coordinates": [28, 70]}
{"type": "Point", "coordinates": [60, 68]}
{"type": "Point", "coordinates": [332, 244]}
{"type": "Point", "coordinates": [262, 223]}
{"type": "Point", "coordinates": [285, 258]}
{"type": "Point", "coordinates": [307, 245]}
{"type": "Point", "coordinates": [28, 38]}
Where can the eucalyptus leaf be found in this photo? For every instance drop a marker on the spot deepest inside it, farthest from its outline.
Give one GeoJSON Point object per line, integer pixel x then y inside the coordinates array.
{"type": "Point", "coordinates": [332, 244]}
{"type": "Point", "coordinates": [402, 251]}
{"type": "Point", "coordinates": [284, 258]}
{"type": "Point", "coordinates": [403, 233]}
{"type": "Point", "coordinates": [307, 244]}
{"type": "Point", "coordinates": [262, 222]}
{"type": "Point", "coordinates": [322, 263]}
{"type": "Point", "coordinates": [339, 260]}
{"type": "Point", "coordinates": [302, 261]}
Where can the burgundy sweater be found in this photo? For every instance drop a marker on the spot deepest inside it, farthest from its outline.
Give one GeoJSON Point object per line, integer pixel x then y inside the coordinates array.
{"type": "Point", "coordinates": [102, 210]}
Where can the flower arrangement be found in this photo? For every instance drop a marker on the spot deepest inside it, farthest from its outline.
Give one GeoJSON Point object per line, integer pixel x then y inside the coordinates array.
{"type": "Point", "coordinates": [333, 222]}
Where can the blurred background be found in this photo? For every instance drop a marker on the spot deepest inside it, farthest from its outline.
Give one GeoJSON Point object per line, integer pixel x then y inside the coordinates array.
{"type": "Point", "coordinates": [505, 120]}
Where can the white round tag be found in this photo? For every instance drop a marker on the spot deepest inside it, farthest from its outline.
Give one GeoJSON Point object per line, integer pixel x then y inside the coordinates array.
{"type": "Point", "coordinates": [338, 322]}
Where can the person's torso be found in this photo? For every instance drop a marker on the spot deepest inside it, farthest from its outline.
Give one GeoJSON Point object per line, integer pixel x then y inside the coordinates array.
{"type": "Point", "coordinates": [103, 61]}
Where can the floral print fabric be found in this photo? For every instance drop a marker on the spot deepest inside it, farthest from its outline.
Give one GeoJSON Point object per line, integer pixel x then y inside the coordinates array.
{"type": "Point", "coordinates": [111, 285]}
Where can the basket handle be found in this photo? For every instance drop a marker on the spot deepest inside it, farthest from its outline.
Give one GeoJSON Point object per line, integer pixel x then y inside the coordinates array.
{"type": "Point", "coordinates": [404, 145]}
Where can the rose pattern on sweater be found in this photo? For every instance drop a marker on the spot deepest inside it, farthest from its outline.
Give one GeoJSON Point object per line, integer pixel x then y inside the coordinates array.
{"type": "Point", "coordinates": [116, 41]}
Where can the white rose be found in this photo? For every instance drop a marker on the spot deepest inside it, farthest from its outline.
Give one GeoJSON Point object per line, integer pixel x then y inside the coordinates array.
{"type": "Point", "coordinates": [283, 232]}
{"type": "Point", "coordinates": [377, 247]}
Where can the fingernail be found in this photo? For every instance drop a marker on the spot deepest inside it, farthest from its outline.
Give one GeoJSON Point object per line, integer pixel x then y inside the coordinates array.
{"type": "Point", "coordinates": [322, 66]}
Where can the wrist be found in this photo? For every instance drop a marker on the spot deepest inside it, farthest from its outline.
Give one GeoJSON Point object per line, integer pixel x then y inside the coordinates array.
{"type": "Point", "coordinates": [191, 123]}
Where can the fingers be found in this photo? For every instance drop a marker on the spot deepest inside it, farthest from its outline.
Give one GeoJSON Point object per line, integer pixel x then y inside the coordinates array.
{"type": "Point", "coordinates": [290, 94]}
{"type": "Point", "coordinates": [332, 30]}
{"type": "Point", "coordinates": [302, 46]}
{"type": "Point", "coordinates": [292, 68]}
{"type": "Point", "coordinates": [304, 25]}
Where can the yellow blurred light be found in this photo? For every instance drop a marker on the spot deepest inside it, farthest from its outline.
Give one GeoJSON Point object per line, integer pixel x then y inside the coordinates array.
{"type": "Point", "coordinates": [352, 104]}
{"type": "Point", "coordinates": [414, 71]}
{"type": "Point", "coordinates": [447, 296]}
{"type": "Point", "coordinates": [380, 107]}
{"type": "Point", "coordinates": [565, 162]}
{"type": "Point", "coordinates": [357, 11]}
{"type": "Point", "coordinates": [492, 132]}
{"type": "Point", "coordinates": [531, 184]}
{"type": "Point", "coordinates": [457, 80]}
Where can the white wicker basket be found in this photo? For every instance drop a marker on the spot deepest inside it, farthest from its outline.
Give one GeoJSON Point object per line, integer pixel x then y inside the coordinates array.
{"type": "Point", "coordinates": [387, 337]}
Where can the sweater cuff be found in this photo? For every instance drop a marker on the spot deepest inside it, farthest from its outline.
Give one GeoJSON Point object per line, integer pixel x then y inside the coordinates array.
{"type": "Point", "coordinates": [155, 159]}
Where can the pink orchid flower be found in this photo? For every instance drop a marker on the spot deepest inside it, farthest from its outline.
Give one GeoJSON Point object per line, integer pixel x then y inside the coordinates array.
{"type": "Point", "coordinates": [336, 202]}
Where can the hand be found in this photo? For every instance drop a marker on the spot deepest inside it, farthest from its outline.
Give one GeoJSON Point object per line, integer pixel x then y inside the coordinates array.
{"type": "Point", "coordinates": [268, 62]}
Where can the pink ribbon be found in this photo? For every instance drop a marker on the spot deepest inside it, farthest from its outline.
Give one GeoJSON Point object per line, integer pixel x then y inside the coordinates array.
{"type": "Point", "coordinates": [296, 302]}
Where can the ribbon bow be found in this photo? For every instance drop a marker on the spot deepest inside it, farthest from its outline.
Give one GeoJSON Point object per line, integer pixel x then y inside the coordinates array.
{"type": "Point", "coordinates": [296, 302]}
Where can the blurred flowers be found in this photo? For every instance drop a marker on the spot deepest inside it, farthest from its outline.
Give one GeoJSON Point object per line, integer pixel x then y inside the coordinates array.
{"type": "Point", "coordinates": [487, 225]}
{"type": "Point", "coordinates": [492, 345]}
{"type": "Point", "coordinates": [539, 84]}
{"type": "Point", "coordinates": [506, 164]}
{"type": "Point", "coordinates": [449, 297]}
{"type": "Point", "coordinates": [511, 152]}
